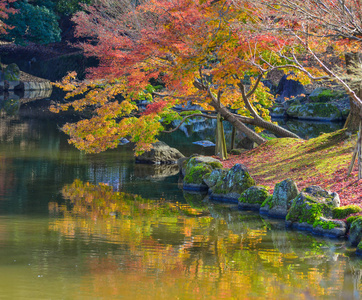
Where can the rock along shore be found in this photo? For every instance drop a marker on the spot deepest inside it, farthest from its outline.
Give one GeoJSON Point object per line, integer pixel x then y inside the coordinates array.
{"type": "Point", "coordinates": [312, 209]}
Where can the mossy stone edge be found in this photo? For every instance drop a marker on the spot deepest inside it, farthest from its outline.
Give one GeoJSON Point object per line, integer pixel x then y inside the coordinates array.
{"type": "Point", "coordinates": [320, 224]}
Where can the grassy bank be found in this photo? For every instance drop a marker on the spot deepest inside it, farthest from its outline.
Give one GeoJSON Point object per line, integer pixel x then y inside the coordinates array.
{"type": "Point", "coordinates": [320, 161]}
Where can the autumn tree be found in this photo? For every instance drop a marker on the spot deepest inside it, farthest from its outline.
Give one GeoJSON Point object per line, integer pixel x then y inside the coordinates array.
{"type": "Point", "coordinates": [5, 10]}
{"type": "Point", "coordinates": [327, 36]}
{"type": "Point", "coordinates": [197, 49]}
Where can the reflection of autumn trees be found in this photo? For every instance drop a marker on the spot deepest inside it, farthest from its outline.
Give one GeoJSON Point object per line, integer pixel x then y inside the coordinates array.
{"type": "Point", "coordinates": [6, 178]}
{"type": "Point", "coordinates": [158, 249]}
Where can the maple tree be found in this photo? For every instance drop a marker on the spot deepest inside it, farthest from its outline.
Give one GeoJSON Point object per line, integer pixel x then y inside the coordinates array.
{"type": "Point", "coordinates": [5, 10]}
{"type": "Point", "coordinates": [326, 45]}
{"type": "Point", "coordinates": [197, 49]}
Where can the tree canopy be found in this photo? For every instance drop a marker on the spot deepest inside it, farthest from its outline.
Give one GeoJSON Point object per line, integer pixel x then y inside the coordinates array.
{"type": "Point", "coordinates": [212, 53]}
{"type": "Point", "coordinates": [5, 10]}
{"type": "Point", "coordinates": [207, 52]}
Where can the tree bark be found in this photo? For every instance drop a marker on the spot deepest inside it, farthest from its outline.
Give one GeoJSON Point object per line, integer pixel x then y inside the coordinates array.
{"type": "Point", "coordinates": [228, 116]}
{"type": "Point", "coordinates": [259, 121]}
{"type": "Point", "coordinates": [354, 68]}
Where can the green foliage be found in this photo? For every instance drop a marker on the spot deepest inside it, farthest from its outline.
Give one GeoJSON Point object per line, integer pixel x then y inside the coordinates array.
{"type": "Point", "coordinates": [34, 24]}
{"type": "Point", "coordinates": [69, 7]}
{"type": "Point", "coordinates": [190, 112]}
{"type": "Point", "coordinates": [345, 211]}
{"type": "Point", "coordinates": [62, 7]}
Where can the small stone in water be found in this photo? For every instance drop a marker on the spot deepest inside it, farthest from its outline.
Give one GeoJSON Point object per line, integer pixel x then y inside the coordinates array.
{"type": "Point", "coordinates": [123, 141]}
{"type": "Point", "coordinates": [204, 143]}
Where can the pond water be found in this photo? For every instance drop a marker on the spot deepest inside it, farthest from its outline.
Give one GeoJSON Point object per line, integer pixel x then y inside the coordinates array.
{"type": "Point", "coordinates": [64, 234]}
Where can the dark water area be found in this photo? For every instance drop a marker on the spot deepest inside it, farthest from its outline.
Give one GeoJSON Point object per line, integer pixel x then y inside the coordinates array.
{"type": "Point", "coordinates": [77, 226]}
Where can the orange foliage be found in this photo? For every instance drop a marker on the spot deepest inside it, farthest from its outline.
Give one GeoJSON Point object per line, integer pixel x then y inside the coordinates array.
{"type": "Point", "coordinates": [176, 42]}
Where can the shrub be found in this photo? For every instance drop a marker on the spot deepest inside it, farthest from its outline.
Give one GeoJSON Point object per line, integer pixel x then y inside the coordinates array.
{"type": "Point", "coordinates": [32, 23]}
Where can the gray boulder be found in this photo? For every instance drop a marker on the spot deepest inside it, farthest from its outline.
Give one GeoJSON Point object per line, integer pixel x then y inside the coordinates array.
{"type": "Point", "coordinates": [288, 88]}
{"type": "Point", "coordinates": [355, 232]}
{"type": "Point", "coordinates": [161, 153]}
{"type": "Point", "coordinates": [277, 206]}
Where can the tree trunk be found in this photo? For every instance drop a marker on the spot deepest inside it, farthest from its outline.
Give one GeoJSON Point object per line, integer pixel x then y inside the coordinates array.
{"type": "Point", "coordinates": [220, 149]}
{"type": "Point", "coordinates": [260, 122]}
{"type": "Point", "coordinates": [232, 143]}
{"type": "Point", "coordinates": [354, 68]}
{"type": "Point", "coordinates": [354, 116]}
{"type": "Point", "coordinates": [228, 116]}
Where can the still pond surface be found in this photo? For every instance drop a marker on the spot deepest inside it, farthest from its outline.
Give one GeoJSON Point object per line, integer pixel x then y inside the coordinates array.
{"type": "Point", "coordinates": [75, 226]}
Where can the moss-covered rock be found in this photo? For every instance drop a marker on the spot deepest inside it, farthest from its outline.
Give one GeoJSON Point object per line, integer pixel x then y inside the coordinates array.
{"type": "Point", "coordinates": [350, 220]}
{"type": "Point", "coordinates": [355, 232]}
{"type": "Point", "coordinates": [195, 169]}
{"type": "Point", "coordinates": [211, 179]}
{"type": "Point", "coordinates": [295, 101]}
{"type": "Point", "coordinates": [200, 159]}
{"type": "Point", "coordinates": [12, 73]}
{"type": "Point", "coordinates": [359, 249]}
{"type": "Point", "coordinates": [236, 151]}
{"type": "Point", "coordinates": [311, 204]}
{"type": "Point", "coordinates": [231, 186]}
{"type": "Point", "coordinates": [312, 210]}
{"type": "Point", "coordinates": [195, 174]}
{"type": "Point", "coordinates": [278, 205]}
{"type": "Point", "coordinates": [253, 198]}
{"type": "Point", "coordinates": [344, 211]}
{"type": "Point", "coordinates": [278, 111]}
{"type": "Point", "coordinates": [322, 94]}
{"type": "Point", "coordinates": [315, 111]}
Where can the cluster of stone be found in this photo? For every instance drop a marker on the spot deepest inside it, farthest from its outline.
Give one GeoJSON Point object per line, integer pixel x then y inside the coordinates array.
{"type": "Point", "coordinates": [322, 104]}
{"type": "Point", "coordinates": [312, 209]}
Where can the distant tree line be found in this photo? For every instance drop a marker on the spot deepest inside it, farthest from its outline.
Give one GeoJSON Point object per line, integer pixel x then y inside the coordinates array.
{"type": "Point", "coordinates": [39, 21]}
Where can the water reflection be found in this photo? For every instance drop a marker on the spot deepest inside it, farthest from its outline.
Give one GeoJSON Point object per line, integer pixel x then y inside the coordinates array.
{"type": "Point", "coordinates": [63, 235]}
{"type": "Point", "coordinates": [160, 249]}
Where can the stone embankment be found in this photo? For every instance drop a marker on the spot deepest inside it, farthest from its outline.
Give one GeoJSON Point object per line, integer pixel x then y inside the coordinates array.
{"type": "Point", "coordinates": [12, 79]}
{"type": "Point", "coordinates": [312, 209]}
